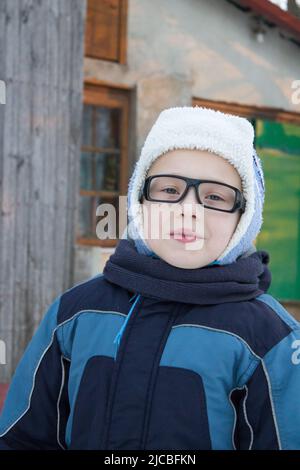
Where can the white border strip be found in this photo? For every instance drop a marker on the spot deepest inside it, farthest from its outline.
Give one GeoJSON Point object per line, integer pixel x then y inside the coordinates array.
{"type": "Point", "coordinates": [246, 418]}
{"type": "Point", "coordinates": [272, 404]}
{"type": "Point", "coordinates": [58, 401]}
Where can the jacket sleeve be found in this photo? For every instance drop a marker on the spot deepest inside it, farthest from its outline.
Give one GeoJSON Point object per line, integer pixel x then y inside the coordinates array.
{"type": "Point", "coordinates": [268, 406]}
{"type": "Point", "coordinates": [36, 407]}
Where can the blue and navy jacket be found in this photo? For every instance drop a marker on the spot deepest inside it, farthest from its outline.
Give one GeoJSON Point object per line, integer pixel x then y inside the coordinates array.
{"type": "Point", "coordinates": [151, 356]}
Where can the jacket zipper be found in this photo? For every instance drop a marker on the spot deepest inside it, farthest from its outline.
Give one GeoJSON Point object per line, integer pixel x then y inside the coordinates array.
{"type": "Point", "coordinates": [119, 335]}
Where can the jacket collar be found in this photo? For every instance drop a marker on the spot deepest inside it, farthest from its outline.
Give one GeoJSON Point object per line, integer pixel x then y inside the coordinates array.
{"type": "Point", "coordinates": [244, 279]}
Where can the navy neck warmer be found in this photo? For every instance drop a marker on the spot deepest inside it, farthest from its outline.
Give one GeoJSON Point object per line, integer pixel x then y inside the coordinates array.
{"type": "Point", "coordinates": [244, 279]}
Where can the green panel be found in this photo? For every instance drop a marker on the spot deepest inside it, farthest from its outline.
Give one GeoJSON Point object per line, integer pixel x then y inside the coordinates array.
{"type": "Point", "coordinates": [280, 234]}
{"type": "Point", "coordinates": [279, 136]}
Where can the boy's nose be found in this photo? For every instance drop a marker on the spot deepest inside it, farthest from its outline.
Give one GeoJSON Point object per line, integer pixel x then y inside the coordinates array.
{"type": "Point", "coordinates": [191, 195]}
{"type": "Point", "coordinates": [190, 203]}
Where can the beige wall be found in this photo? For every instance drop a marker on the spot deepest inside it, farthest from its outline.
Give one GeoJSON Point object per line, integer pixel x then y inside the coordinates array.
{"type": "Point", "coordinates": [178, 49]}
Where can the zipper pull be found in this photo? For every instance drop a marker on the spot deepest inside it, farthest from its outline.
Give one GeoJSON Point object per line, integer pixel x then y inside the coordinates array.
{"type": "Point", "coordinates": [121, 331]}
{"type": "Point", "coordinates": [132, 298]}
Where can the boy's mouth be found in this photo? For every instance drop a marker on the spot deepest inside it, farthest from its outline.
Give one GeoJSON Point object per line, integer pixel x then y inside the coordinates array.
{"type": "Point", "coordinates": [184, 236]}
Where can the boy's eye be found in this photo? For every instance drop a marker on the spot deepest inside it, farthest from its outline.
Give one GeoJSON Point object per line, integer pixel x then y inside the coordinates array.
{"type": "Point", "coordinates": [215, 197]}
{"type": "Point", "coordinates": [170, 190]}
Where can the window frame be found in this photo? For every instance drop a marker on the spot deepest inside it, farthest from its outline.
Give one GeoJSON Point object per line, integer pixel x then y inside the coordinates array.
{"type": "Point", "coordinates": [98, 93]}
{"type": "Point", "coordinates": [262, 112]}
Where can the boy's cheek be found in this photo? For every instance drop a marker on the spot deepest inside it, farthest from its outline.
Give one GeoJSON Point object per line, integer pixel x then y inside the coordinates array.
{"type": "Point", "coordinates": [157, 221]}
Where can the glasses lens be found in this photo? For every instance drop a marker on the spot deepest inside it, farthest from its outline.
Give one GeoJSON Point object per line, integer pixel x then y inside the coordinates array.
{"type": "Point", "coordinates": [216, 196]}
{"type": "Point", "coordinates": [166, 188]}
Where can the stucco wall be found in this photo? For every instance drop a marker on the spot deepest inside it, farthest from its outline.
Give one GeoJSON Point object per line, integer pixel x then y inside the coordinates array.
{"type": "Point", "coordinates": [178, 49]}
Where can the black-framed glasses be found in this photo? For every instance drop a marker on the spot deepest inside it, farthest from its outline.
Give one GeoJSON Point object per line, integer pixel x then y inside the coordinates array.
{"type": "Point", "coordinates": [211, 194]}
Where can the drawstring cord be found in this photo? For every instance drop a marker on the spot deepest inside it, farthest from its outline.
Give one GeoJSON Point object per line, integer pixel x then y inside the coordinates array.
{"type": "Point", "coordinates": [121, 331]}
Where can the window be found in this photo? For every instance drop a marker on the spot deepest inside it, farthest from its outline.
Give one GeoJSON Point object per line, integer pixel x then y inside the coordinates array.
{"type": "Point", "coordinates": [106, 30]}
{"type": "Point", "coordinates": [278, 145]}
{"type": "Point", "coordinates": [104, 157]}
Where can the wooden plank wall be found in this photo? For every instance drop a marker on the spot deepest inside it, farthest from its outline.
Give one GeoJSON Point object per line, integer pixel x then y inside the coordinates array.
{"type": "Point", "coordinates": [41, 61]}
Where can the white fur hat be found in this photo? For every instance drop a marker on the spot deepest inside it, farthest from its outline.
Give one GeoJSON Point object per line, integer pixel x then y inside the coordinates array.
{"type": "Point", "coordinates": [229, 136]}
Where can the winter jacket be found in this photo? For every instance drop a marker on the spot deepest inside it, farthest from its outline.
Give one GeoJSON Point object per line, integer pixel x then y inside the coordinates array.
{"type": "Point", "coordinates": [150, 356]}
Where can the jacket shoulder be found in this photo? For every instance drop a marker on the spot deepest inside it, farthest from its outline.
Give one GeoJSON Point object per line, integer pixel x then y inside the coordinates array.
{"type": "Point", "coordinates": [279, 310]}
{"type": "Point", "coordinates": [90, 294]}
{"type": "Point", "coordinates": [267, 323]}
{"type": "Point", "coordinates": [260, 323]}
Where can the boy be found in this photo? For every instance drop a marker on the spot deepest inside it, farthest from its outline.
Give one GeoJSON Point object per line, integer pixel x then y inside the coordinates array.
{"type": "Point", "coordinates": [177, 345]}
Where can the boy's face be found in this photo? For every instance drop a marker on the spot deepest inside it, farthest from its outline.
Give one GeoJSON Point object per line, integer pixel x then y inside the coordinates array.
{"type": "Point", "coordinates": [213, 228]}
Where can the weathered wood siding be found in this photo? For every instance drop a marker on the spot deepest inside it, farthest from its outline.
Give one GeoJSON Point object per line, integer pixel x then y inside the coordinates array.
{"type": "Point", "coordinates": [41, 61]}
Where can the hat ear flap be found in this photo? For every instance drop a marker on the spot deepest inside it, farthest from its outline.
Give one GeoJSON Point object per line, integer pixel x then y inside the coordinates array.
{"type": "Point", "coordinates": [258, 170]}
{"type": "Point", "coordinates": [140, 195]}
